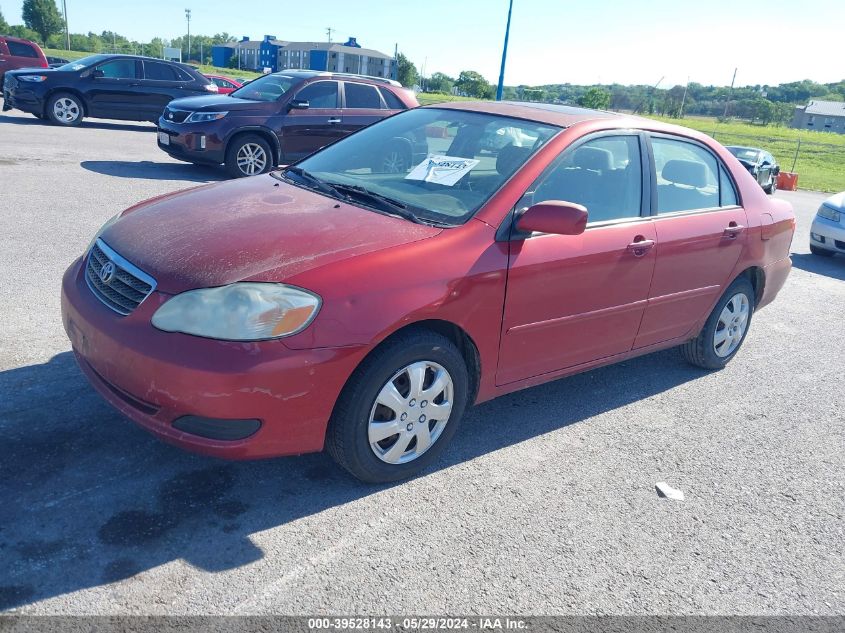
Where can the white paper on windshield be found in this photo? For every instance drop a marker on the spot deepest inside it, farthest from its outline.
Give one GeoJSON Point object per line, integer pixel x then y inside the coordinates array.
{"type": "Point", "coordinates": [443, 170]}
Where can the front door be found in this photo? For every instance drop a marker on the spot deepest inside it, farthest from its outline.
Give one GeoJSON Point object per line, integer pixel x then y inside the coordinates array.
{"type": "Point", "coordinates": [305, 131]}
{"type": "Point", "coordinates": [574, 299]}
{"type": "Point", "coordinates": [113, 91]}
{"type": "Point", "coordinates": [701, 231]}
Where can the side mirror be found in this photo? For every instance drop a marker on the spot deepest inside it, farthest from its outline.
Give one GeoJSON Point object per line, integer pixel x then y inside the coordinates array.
{"type": "Point", "coordinates": [97, 73]}
{"type": "Point", "coordinates": [553, 216]}
{"type": "Point", "coordinates": [296, 104]}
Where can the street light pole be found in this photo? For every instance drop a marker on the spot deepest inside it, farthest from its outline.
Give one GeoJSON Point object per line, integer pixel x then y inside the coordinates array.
{"type": "Point", "coordinates": [188, 18]}
{"type": "Point", "coordinates": [501, 86]}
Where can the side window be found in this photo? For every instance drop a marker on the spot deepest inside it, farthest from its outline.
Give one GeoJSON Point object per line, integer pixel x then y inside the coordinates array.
{"type": "Point", "coordinates": [361, 96]}
{"type": "Point", "coordinates": [687, 176]}
{"type": "Point", "coordinates": [393, 102]}
{"type": "Point", "coordinates": [321, 94]}
{"type": "Point", "coordinates": [159, 71]}
{"type": "Point", "coordinates": [119, 69]}
{"type": "Point", "coordinates": [727, 193]}
{"type": "Point", "coordinates": [604, 175]}
{"type": "Point", "coordinates": [182, 75]}
{"type": "Point", "coordinates": [19, 49]}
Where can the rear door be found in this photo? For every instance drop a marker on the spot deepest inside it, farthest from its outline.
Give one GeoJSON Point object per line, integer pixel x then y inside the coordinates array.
{"type": "Point", "coordinates": [306, 131]}
{"type": "Point", "coordinates": [572, 299]}
{"type": "Point", "coordinates": [362, 106]}
{"type": "Point", "coordinates": [701, 231]}
{"type": "Point", "coordinates": [115, 93]}
{"type": "Point", "coordinates": [161, 83]}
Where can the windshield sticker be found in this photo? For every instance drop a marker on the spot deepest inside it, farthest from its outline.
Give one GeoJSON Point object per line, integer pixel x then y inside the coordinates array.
{"type": "Point", "coordinates": [443, 170]}
{"type": "Point", "coordinates": [78, 66]}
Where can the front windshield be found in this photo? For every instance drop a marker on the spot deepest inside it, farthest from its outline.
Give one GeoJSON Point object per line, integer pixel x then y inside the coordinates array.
{"type": "Point", "coordinates": [82, 62]}
{"type": "Point", "coordinates": [747, 154]}
{"type": "Point", "coordinates": [441, 164]}
{"type": "Point", "coordinates": [266, 88]}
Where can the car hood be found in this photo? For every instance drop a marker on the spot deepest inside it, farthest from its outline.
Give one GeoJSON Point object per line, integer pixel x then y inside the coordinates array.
{"type": "Point", "coordinates": [219, 103]}
{"type": "Point", "coordinates": [256, 229]}
{"type": "Point", "coordinates": [32, 70]}
{"type": "Point", "coordinates": [836, 201]}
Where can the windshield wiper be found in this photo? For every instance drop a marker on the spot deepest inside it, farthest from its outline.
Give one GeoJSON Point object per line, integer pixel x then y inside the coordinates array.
{"type": "Point", "coordinates": [316, 183]}
{"type": "Point", "coordinates": [385, 203]}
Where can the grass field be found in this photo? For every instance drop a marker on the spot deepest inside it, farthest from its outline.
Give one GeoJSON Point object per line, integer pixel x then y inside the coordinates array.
{"type": "Point", "coordinates": [820, 163]}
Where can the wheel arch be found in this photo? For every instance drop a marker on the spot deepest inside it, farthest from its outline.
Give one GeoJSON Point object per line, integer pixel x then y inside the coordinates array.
{"type": "Point", "coordinates": [757, 277]}
{"type": "Point", "coordinates": [264, 133]}
{"type": "Point", "coordinates": [73, 91]}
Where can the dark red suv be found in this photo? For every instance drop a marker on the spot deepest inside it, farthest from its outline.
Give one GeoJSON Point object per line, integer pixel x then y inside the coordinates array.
{"type": "Point", "coordinates": [281, 118]}
{"type": "Point", "coordinates": [17, 53]}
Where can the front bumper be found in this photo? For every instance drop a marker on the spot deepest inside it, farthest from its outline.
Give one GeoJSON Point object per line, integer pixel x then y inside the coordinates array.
{"type": "Point", "coordinates": [157, 378]}
{"type": "Point", "coordinates": [193, 142]}
{"type": "Point", "coordinates": [828, 235]}
{"type": "Point", "coordinates": [20, 97]}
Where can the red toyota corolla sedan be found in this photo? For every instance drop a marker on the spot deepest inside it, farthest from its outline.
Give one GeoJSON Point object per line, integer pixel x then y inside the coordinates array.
{"type": "Point", "coordinates": [340, 304]}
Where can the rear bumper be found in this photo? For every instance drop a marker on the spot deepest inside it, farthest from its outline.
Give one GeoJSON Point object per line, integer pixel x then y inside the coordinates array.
{"type": "Point", "coordinates": [160, 380]}
{"type": "Point", "coordinates": [775, 278]}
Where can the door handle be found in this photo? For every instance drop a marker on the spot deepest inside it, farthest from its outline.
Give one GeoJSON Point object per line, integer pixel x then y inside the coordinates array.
{"type": "Point", "coordinates": [733, 229]}
{"type": "Point", "coordinates": [640, 246]}
{"type": "Point", "coordinates": [333, 121]}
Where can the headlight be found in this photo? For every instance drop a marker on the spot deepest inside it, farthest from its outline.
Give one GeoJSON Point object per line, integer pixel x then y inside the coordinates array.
{"type": "Point", "coordinates": [203, 117]}
{"type": "Point", "coordinates": [100, 231]}
{"type": "Point", "coordinates": [829, 214]}
{"type": "Point", "coordinates": [33, 78]}
{"type": "Point", "coordinates": [244, 311]}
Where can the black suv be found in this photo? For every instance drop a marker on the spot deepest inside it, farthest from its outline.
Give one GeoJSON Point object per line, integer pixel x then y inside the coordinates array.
{"type": "Point", "coordinates": [102, 86]}
{"type": "Point", "coordinates": [281, 118]}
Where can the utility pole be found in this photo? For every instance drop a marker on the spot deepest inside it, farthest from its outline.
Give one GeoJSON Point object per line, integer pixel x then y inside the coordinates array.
{"type": "Point", "coordinates": [683, 100]}
{"type": "Point", "coordinates": [188, 18]}
{"type": "Point", "coordinates": [329, 31]}
{"type": "Point", "coordinates": [67, 33]}
{"type": "Point", "coordinates": [501, 86]}
{"type": "Point", "coordinates": [730, 94]}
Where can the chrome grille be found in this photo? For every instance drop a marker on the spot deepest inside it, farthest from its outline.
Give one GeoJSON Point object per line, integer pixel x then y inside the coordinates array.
{"type": "Point", "coordinates": [125, 288]}
{"type": "Point", "coordinates": [176, 116]}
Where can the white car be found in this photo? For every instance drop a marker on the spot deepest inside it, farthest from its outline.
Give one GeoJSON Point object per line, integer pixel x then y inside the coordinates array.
{"type": "Point", "coordinates": [827, 235]}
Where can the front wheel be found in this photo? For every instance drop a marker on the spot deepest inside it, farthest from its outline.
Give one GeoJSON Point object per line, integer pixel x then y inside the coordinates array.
{"type": "Point", "coordinates": [65, 109]}
{"type": "Point", "coordinates": [772, 186]}
{"type": "Point", "coordinates": [400, 408]}
{"type": "Point", "coordinates": [725, 329]}
{"type": "Point", "coordinates": [248, 155]}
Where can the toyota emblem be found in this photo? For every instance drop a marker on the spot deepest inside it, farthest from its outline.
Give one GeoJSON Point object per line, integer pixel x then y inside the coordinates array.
{"type": "Point", "coordinates": [107, 272]}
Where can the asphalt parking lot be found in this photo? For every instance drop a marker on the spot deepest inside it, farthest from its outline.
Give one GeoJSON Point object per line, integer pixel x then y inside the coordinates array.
{"type": "Point", "coordinates": [544, 503]}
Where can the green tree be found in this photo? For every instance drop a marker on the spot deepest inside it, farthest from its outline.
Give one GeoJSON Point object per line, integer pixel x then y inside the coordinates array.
{"type": "Point", "coordinates": [43, 17]}
{"type": "Point", "coordinates": [472, 84]}
{"type": "Point", "coordinates": [406, 71]}
{"type": "Point", "coordinates": [440, 82]}
{"type": "Point", "coordinates": [596, 98]}
{"type": "Point", "coordinates": [4, 26]}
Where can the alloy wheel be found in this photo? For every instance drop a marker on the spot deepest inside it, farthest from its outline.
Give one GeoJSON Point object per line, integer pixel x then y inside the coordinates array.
{"type": "Point", "coordinates": [394, 162]}
{"type": "Point", "coordinates": [251, 158]}
{"type": "Point", "coordinates": [730, 328]}
{"type": "Point", "coordinates": [410, 412]}
{"type": "Point", "coordinates": [66, 110]}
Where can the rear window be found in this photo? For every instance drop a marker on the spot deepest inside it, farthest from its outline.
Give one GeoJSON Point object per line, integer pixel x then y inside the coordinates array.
{"type": "Point", "coordinates": [19, 49]}
{"type": "Point", "coordinates": [159, 71]}
{"type": "Point", "coordinates": [362, 96]}
{"type": "Point", "coordinates": [393, 102]}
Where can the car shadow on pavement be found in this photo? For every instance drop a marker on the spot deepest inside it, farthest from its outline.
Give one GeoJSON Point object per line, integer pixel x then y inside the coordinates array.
{"type": "Point", "coordinates": [87, 498]}
{"type": "Point", "coordinates": [87, 123]}
{"type": "Point", "coordinates": [150, 170]}
{"type": "Point", "coordinates": [827, 266]}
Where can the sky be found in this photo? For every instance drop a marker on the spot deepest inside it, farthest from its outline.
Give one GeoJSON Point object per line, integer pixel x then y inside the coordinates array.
{"type": "Point", "coordinates": [551, 41]}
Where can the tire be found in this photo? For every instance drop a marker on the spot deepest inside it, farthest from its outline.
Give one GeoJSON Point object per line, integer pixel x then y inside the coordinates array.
{"type": "Point", "coordinates": [358, 418]}
{"type": "Point", "coordinates": [248, 155]}
{"type": "Point", "coordinates": [773, 186]}
{"type": "Point", "coordinates": [65, 109]}
{"type": "Point", "coordinates": [821, 252]}
{"type": "Point", "coordinates": [705, 350]}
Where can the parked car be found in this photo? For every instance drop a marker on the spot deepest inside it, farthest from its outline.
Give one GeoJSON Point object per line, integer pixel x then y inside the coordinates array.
{"type": "Point", "coordinates": [225, 85]}
{"type": "Point", "coordinates": [827, 233]}
{"type": "Point", "coordinates": [55, 62]}
{"type": "Point", "coordinates": [17, 53]}
{"type": "Point", "coordinates": [280, 117]}
{"type": "Point", "coordinates": [333, 304]}
{"type": "Point", "coordinates": [102, 86]}
{"type": "Point", "coordinates": [759, 164]}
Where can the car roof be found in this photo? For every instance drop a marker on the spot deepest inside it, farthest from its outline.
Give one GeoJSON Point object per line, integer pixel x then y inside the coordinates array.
{"type": "Point", "coordinates": [743, 147]}
{"type": "Point", "coordinates": [560, 115]}
{"type": "Point", "coordinates": [17, 39]}
{"type": "Point", "coordinates": [309, 74]}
